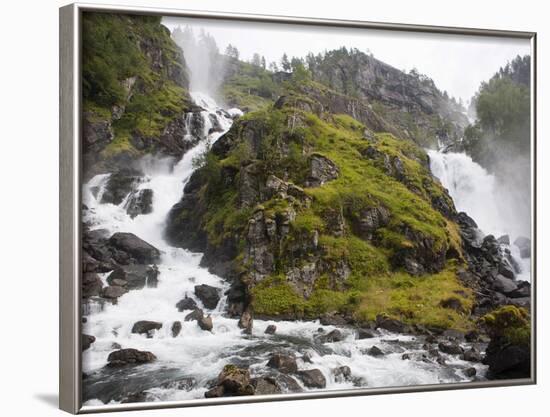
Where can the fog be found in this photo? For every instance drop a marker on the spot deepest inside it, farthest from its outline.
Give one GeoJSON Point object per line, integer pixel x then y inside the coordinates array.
{"type": "Point", "coordinates": [457, 63]}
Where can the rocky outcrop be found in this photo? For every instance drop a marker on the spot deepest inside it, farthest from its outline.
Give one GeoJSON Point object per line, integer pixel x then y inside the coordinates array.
{"type": "Point", "coordinates": [232, 381]}
{"type": "Point", "coordinates": [209, 296]}
{"type": "Point", "coordinates": [321, 170]}
{"type": "Point", "coordinates": [140, 202]}
{"type": "Point", "coordinates": [285, 363]}
{"type": "Point", "coordinates": [120, 184]}
{"type": "Point", "coordinates": [134, 276]}
{"type": "Point", "coordinates": [313, 378]}
{"type": "Point", "coordinates": [146, 327]}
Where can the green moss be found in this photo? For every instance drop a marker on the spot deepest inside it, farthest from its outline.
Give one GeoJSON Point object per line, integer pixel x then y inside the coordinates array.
{"type": "Point", "coordinates": [510, 322]}
{"type": "Point", "coordinates": [417, 300]}
{"type": "Point", "coordinates": [119, 145]}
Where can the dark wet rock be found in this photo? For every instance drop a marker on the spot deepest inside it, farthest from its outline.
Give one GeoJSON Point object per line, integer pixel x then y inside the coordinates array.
{"type": "Point", "coordinates": [365, 334]}
{"type": "Point", "coordinates": [391, 325]}
{"type": "Point", "coordinates": [116, 346]}
{"type": "Point", "coordinates": [265, 386]}
{"type": "Point", "coordinates": [119, 185]}
{"type": "Point", "coordinates": [140, 250]}
{"type": "Point", "coordinates": [507, 361]}
{"type": "Point", "coordinates": [246, 322]}
{"type": "Point", "coordinates": [146, 327]}
{"type": "Point", "coordinates": [470, 372]}
{"type": "Point", "coordinates": [196, 314]}
{"type": "Point", "coordinates": [205, 323]}
{"type": "Point", "coordinates": [504, 285]}
{"type": "Point", "coordinates": [333, 319]}
{"type": "Point", "coordinates": [504, 240]}
{"type": "Point", "coordinates": [471, 336]}
{"type": "Point", "coordinates": [322, 170]}
{"type": "Point", "coordinates": [136, 397]}
{"type": "Point", "coordinates": [342, 373]}
{"type": "Point", "coordinates": [140, 202]}
{"type": "Point", "coordinates": [523, 290]}
{"type": "Point", "coordinates": [452, 303]}
{"type": "Point", "coordinates": [176, 328]}
{"type": "Point", "coordinates": [136, 276]}
{"type": "Point", "coordinates": [312, 378]}
{"type": "Point", "coordinates": [451, 348]}
{"type": "Point", "coordinates": [524, 245]}
{"type": "Point", "coordinates": [406, 356]}
{"type": "Point", "coordinates": [124, 357]}
{"type": "Point", "coordinates": [113, 292]}
{"type": "Point", "coordinates": [472, 355]}
{"type": "Point", "coordinates": [375, 351]}
{"type": "Point", "coordinates": [183, 384]}
{"type": "Point", "coordinates": [270, 329]}
{"type": "Point", "coordinates": [331, 337]}
{"type": "Point", "coordinates": [232, 381]}
{"type": "Point", "coordinates": [285, 363]}
{"type": "Point", "coordinates": [209, 296]}
{"type": "Point", "coordinates": [186, 304]}
{"type": "Point", "coordinates": [307, 358]}
{"type": "Point", "coordinates": [287, 383]}
{"type": "Point", "coordinates": [87, 341]}
{"type": "Point", "coordinates": [506, 268]}
{"type": "Point", "coordinates": [91, 285]}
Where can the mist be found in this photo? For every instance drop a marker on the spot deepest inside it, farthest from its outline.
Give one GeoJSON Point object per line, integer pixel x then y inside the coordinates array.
{"type": "Point", "coordinates": [204, 62]}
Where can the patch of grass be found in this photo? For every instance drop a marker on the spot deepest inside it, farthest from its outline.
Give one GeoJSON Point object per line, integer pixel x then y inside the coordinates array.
{"type": "Point", "coordinates": [417, 300]}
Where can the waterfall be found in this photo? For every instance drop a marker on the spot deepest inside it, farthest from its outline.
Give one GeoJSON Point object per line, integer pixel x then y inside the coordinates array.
{"type": "Point", "coordinates": [199, 354]}
{"type": "Point", "coordinates": [477, 192]}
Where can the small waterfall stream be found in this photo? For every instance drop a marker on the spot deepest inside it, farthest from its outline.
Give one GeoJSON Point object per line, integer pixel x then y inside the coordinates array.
{"type": "Point", "coordinates": [196, 355]}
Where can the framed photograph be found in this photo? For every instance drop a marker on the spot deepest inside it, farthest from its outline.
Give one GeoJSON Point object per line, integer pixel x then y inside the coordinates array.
{"type": "Point", "coordinates": [260, 208]}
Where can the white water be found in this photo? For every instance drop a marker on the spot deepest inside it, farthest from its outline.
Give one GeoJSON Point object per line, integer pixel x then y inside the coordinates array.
{"type": "Point", "coordinates": [476, 192]}
{"type": "Point", "coordinates": [201, 354]}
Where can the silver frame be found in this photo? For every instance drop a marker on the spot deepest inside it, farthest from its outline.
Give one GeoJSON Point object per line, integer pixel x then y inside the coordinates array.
{"type": "Point", "coordinates": [70, 203]}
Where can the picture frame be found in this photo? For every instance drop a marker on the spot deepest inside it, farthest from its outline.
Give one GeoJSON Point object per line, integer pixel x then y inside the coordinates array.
{"type": "Point", "coordinates": [71, 200]}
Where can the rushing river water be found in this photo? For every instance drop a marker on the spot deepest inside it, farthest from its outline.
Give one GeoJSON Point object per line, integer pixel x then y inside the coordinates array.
{"type": "Point", "coordinates": [199, 354]}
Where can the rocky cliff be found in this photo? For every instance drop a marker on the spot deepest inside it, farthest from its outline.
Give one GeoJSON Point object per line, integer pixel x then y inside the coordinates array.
{"type": "Point", "coordinates": [134, 91]}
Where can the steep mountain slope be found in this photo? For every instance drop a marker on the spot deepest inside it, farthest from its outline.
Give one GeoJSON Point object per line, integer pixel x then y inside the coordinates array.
{"type": "Point", "coordinates": [134, 90]}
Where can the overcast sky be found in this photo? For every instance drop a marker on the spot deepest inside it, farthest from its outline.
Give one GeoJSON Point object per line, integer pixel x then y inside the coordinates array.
{"type": "Point", "coordinates": [456, 63]}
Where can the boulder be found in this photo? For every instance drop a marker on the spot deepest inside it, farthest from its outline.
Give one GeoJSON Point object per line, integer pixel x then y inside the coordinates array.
{"type": "Point", "coordinates": [285, 363]}
{"type": "Point", "coordinates": [232, 381]}
{"type": "Point", "coordinates": [246, 321]}
{"type": "Point", "coordinates": [321, 170]}
{"type": "Point", "coordinates": [91, 285]}
{"type": "Point", "coordinates": [342, 374]}
{"type": "Point", "coordinates": [146, 327]}
{"type": "Point", "coordinates": [313, 378]}
{"type": "Point", "coordinates": [113, 292]}
{"type": "Point", "coordinates": [391, 325]}
{"type": "Point", "coordinates": [270, 329]}
{"type": "Point", "coordinates": [205, 323]}
{"type": "Point", "coordinates": [451, 348]}
{"type": "Point", "coordinates": [186, 304]}
{"type": "Point", "coordinates": [523, 290]}
{"type": "Point", "coordinates": [524, 245]}
{"type": "Point", "coordinates": [119, 185]}
{"type": "Point", "coordinates": [265, 386]}
{"type": "Point", "coordinates": [375, 351]}
{"type": "Point", "coordinates": [176, 328]}
{"type": "Point", "coordinates": [196, 314]}
{"type": "Point", "coordinates": [504, 285]}
{"type": "Point", "coordinates": [87, 341]}
{"type": "Point", "coordinates": [470, 372]}
{"type": "Point", "coordinates": [504, 240]}
{"type": "Point", "coordinates": [287, 383]}
{"type": "Point", "coordinates": [472, 355]}
{"type": "Point", "coordinates": [124, 357]}
{"type": "Point", "coordinates": [365, 334]}
{"type": "Point", "coordinates": [140, 202]}
{"type": "Point", "coordinates": [209, 296]}
{"type": "Point", "coordinates": [137, 248]}
{"type": "Point", "coordinates": [368, 220]}
{"type": "Point", "coordinates": [136, 276]}
{"type": "Point", "coordinates": [331, 337]}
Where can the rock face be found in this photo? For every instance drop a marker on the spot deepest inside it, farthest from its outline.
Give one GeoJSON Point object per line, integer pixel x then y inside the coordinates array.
{"type": "Point", "coordinates": [135, 276]}
{"type": "Point", "coordinates": [321, 170]}
{"type": "Point", "coordinates": [125, 357]}
{"type": "Point", "coordinates": [142, 251]}
{"type": "Point", "coordinates": [120, 184]}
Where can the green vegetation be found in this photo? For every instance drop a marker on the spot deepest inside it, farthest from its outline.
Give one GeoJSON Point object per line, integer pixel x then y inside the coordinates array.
{"type": "Point", "coordinates": [123, 72]}
{"type": "Point", "coordinates": [510, 322]}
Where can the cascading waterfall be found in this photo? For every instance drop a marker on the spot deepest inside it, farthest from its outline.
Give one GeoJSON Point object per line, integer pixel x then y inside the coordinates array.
{"type": "Point", "coordinates": [476, 192]}
{"type": "Point", "coordinates": [199, 354]}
